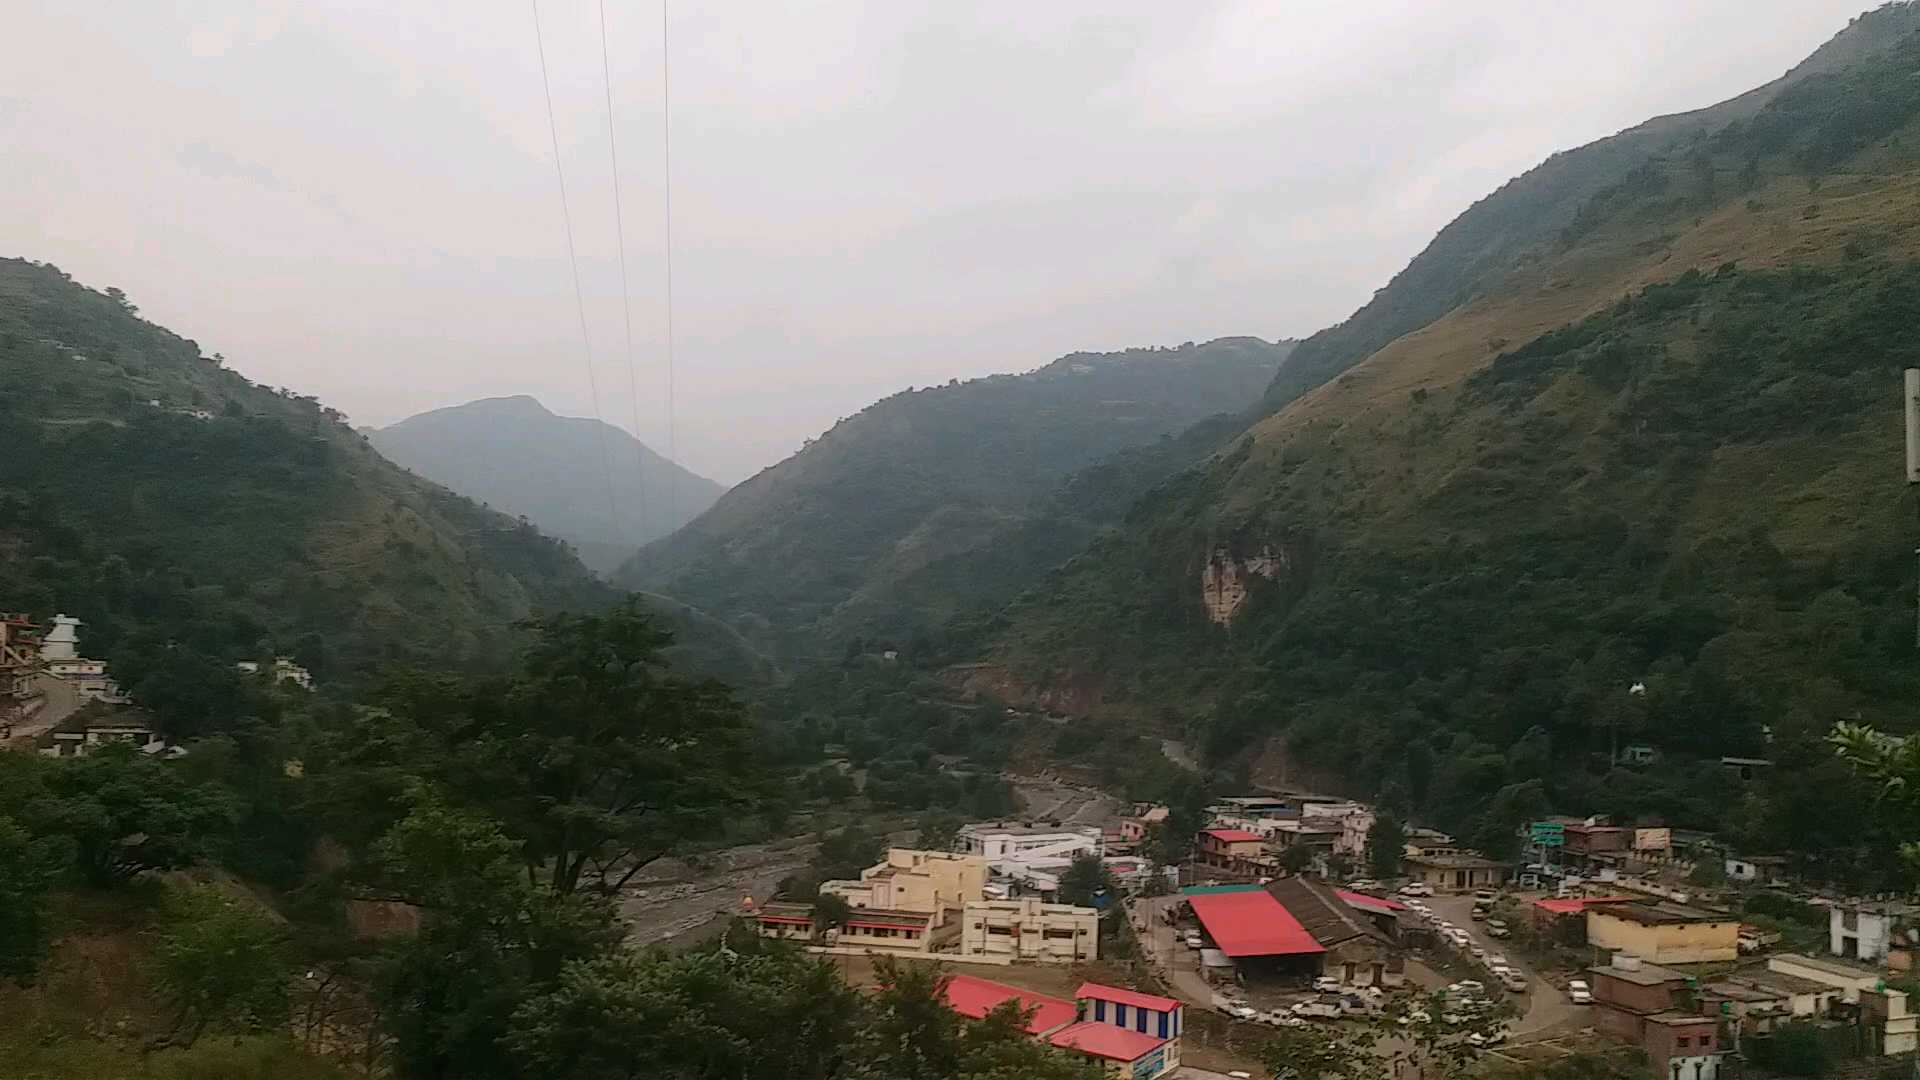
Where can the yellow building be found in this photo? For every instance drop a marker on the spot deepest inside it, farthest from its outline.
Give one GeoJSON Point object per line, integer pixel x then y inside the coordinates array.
{"type": "Point", "coordinates": [910, 880]}
{"type": "Point", "coordinates": [1661, 932]}
{"type": "Point", "coordinates": [1029, 929]}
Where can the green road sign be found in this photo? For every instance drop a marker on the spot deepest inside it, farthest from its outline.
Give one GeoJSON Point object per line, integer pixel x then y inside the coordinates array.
{"type": "Point", "coordinates": [1547, 833]}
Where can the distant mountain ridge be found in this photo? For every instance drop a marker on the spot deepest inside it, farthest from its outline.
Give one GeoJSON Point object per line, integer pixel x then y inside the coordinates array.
{"type": "Point", "coordinates": [930, 502]}
{"type": "Point", "coordinates": [1646, 433]}
{"type": "Point", "coordinates": [516, 456]}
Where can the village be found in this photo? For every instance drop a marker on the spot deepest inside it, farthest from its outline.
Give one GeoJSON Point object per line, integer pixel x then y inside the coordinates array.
{"type": "Point", "coordinates": [1599, 935]}
{"type": "Point", "coordinates": [1597, 940]}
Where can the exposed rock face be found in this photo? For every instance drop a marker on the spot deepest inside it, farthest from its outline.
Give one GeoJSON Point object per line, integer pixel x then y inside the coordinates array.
{"type": "Point", "coordinates": [1226, 579]}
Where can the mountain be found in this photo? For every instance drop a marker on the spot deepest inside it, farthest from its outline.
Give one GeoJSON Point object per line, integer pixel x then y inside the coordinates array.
{"type": "Point", "coordinates": [510, 453]}
{"type": "Point", "coordinates": [932, 501]}
{"type": "Point", "coordinates": [182, 510]}
{"type": "Point", "coordinates": [1634, 418]}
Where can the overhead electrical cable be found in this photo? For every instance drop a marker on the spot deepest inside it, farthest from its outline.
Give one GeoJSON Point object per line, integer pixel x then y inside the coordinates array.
{"type": "Point", "coordinates": [573, 262]}
{"type": "Point", "coordinates": [666, 187]}
{"type": "Point", "coordinates": [626, 306]}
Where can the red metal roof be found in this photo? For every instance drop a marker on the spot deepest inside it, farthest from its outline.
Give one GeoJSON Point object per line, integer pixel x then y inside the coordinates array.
{"type": "Point", "coordinates": [1572, 904]}
{"type": "Point", "coordinates": [1101, 992]}
{"type": "Point", "coordinates": [1232, 836]}
{"type": "Point", "coordinates": [1252, 924]}
{"type": "Point", "coordinates": [1365, 900]}
{"type": "Point", "coordinates": [1106, 1040]}
{"type": "Point", "coordinates": [975, 997]}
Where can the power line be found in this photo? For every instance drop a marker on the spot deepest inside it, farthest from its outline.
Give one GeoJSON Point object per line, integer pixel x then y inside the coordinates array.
{"type": "Point", "coordinates": [666, 187]}
{"type": "Point", "coordinates": [573, 262]}
{"type": "Point", "coordinates": [626, 307]}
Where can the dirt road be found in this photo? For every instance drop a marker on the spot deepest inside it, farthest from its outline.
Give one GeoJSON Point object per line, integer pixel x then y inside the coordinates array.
{"type": "Point", "coordinates": [1549, 1011]}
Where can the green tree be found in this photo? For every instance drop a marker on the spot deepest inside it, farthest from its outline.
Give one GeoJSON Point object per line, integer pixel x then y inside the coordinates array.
{"type": "Point", "coordinates": [28, 869]}
{"type": "Point", "coordinates": [1797, 1049]}
{"type": "Point", "coordinates": [1084, 880]}
{"type": "Point", "coordinates": [1296, 859]}
{"type": "Point", "coordinates": [1892, 762]}
{"type": "Point", "coordinates": [1386, 844]}
{"type": "Point", "coordinates": [939, 832]}
{"type": "Point", "coordinates": [221, 964]}
{"type": "Point", "coordinates": [127, 813]}
{"type": "Point", "coordinates": [830, 910]}
{"type": "Point", "coordinates": [743, 1010]}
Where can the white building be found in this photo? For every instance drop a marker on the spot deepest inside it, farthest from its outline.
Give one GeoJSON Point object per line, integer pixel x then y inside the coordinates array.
{"type": "Point", "coordinates": [1864, 932]}
{"type": "Point", "coordinates": [60, 651]}
{"type": "Point", "coordinates": [1030, 929]}
{"type": "Point", "coordinates": [1031, 857]}
{"type": "Point", "coordinates": [1354, 820]}
{"type": "Point", "coordinates": [284, 670]}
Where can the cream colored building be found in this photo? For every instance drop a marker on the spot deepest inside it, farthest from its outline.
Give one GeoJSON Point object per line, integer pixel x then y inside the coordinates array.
{"type": "Point", "coordinates": [1661, 932]}
{"type": "Point", "coordinates": [1029, 929]}
{"type": "Point", "coordinates": [911, 880]}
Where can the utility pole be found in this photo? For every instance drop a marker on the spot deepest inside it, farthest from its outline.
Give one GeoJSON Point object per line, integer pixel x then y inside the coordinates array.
{"type": "Point", "coordinates": [1910, 405]}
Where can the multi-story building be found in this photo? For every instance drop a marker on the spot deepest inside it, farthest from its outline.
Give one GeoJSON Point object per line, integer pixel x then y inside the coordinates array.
{"type": "Point", "coordinates": [1653, 1008]}
{"type": "Point", "coordinates": [1029, 929]}
{"type": "Point", "coordinates": [1032, 858]}
{"type": "Point", "coordinates": [1236, 851]}
{"type": "Point", "coordinates": [931, 882]}
{"type": "Point", "coordinates": [1873, 932]}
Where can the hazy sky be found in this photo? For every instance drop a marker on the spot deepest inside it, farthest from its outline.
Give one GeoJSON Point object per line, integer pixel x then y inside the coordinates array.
{"type": "Point", "coordinates": [356, 198]}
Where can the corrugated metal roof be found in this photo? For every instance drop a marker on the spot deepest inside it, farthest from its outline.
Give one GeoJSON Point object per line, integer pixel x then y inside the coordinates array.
{"type": "Point", "coordinates": [1100, 992]}
{"type": "Point", "coordinates": [975, 997]}
{"type": "Point", "coordinates": [1106, 1040]}
{"type": "Point", "coordinates": [1252, 924]}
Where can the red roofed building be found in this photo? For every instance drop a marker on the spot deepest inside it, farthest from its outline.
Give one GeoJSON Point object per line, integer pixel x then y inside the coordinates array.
{"type": "Point", "coordinates": [974, 998]}
{"type": "Point", "coordinates": [1565, 917]}
{"type": "Point", "coordinates": [1235, 851]}
{"type": "Point", "coordinates": [1124, 1053]}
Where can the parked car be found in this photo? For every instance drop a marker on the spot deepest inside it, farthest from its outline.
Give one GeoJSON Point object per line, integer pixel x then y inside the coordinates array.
{"type": "Point", "coordinates": [1193, 939]}
{"type": "Point", "coordinates": [1513, 981]}
{"type": "Point", "coordinates": [1580, 992]}
{"type": "Point", "coordinates": [1479, 913]}
{"type": "Point", "coordinates": [1472, 987]}
{"type": "Point", "coordinates": [1484, 896]}
{"type": "Point", "coordinates": [1417, 1016]}
{"type": "Point", "coordinates": [1326, 984]}
{"type": "Point", "coordinates": [1491, 1038]}
{"type": "Point", "coordinates": [1495, 960]}
{"type": "Point", "coordinates": [1318, 1009]}
{"type": "Point", "coordinates": [1416, 888]}
{"type": "Point", "coordinates": [1283, 1018]}
{"type": "Point", "coordinates": [1476, 952]}
{"type": "Point", "coordinates": [1365, 884]}
{"type": "Point", "coordinates": [1498, 929]}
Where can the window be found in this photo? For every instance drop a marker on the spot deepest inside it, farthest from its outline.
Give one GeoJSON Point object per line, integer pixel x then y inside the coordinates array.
{"type": "Point", "coordinates": [999, 931]}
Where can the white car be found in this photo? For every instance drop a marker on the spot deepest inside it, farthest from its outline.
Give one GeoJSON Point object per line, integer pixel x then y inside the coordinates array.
{"type": "Point", "coordinates": [1476, 952]}
{"type": "Point", "coordinates": [1495, 960]}
{"type": "Point", "coordinates": [1417, 1016]}
{"type": "Point", "coordinates": [1326, 984]}
{"type": "Point", "coordinates": [1416, 888]}
{"type": "Point", "coordinates": [1580, 992]}
{"type": "Point", "coordinates": [1513, 981]}
{"type": "Point", "coordinates": [1469, 986]}
{"type": "Point", "coordinates": [1283, 1018]}
{"type": "Point", "coordinates": [1492, 1038]}
{"type": "Point", "coordinates": [1318, 1009]}
{"type": "Point", "coordinates": [1362, 884]}
{"type": "Point", "coordinates": [1193, 939]}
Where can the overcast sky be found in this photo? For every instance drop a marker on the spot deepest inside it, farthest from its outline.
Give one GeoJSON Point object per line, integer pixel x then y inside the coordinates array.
{"type": "Point", "coordinates": [356, 198]}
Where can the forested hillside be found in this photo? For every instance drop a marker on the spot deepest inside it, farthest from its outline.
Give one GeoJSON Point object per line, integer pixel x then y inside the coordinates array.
{"type": "Point", "coordinates": [934, 501]}
{"type": "Point", "coordinates": [513, 455]}
{"type": "Point", "coordinates": [193, 518]}
{"type": "Point", "coordinates": [1663, 449]}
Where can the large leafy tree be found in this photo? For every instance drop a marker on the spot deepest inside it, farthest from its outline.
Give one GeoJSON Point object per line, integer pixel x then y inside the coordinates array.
{"type": "Point", "coordinates": [222, 964]}
{"type": "Point", "coordinates": [1893, 763]}
{"type": "Point", "coordinates": [28, 869]}
{"type": "Point", "coordinates": [127, 813]}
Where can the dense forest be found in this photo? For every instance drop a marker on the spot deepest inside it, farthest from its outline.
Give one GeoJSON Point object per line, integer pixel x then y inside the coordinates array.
{"type": "Point", "coordinates": [1664, 452]}
{"type": "Point", "coordinates": [934, 501]}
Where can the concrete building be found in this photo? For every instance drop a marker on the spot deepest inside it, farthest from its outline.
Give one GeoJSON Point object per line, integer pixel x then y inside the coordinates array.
{"type": "Point", "coordinates": [1235, 851]}
{"type": "Point", "coordinates": [931, 882]}
{"type": "Point", "coordinates": [1452, 870]}
{"type": "Point", "coordinates": [1351, 820]}
{"type": "Point", "coordinates": [1031, 858]}
{"type": "Point", "coordinates": [284, 670]}
{"type": "Point", "coordinates": [1869, 932]}
{"type": "Point", "coordinates": [87, 678]}
{"type": "Point", "coordinates": [789, 921]}
{"type": "Point", "coordinates": [1134, 1035]}
{"type": "Point", "coordinates": [1651, 1007]}
{"type": "Point", "coordinates": [878, 930]}
{"type": "Point", "coordinates": [1846, 977]}
{"type": "Point", "coordinates": [1029, 929]}
{"type": "Point", "coordinates": [1662, 932]}
{"type": "Point", "coordinates": [1755, 869]}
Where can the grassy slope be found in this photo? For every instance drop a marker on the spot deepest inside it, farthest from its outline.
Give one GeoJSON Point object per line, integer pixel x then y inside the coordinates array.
{"type": "Point", "coordinates": [929, 500]}
{"type": "Point", "coordinates": [1395, 483]}
{"type": "Point", "coordinates": [294, 522]}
